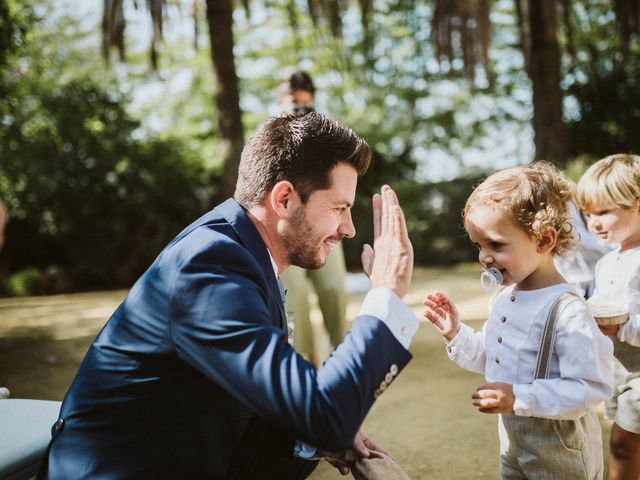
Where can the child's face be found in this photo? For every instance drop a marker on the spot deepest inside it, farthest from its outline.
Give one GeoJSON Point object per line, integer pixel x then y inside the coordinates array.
{"type": "Point", "coordinates": [617, 225]}
{"type": "Point", "coordinates": [503, 244]}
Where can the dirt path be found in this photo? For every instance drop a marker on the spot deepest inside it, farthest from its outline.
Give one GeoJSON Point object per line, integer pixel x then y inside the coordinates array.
{"type": "Point", "coordinates": [425, 419]}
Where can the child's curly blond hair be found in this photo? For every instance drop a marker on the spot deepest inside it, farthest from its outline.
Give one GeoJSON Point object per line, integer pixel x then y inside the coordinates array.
{"type": "Point", "coordinates": [536, 196]}
{"type": "Point", "coordinates": [613, 182]}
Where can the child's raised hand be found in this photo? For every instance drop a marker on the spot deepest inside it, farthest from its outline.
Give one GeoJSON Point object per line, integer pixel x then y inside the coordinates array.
{"type": "Point", "coordinates": [494, 397]}
{"type": "Point", "coordinates": [443, 314]}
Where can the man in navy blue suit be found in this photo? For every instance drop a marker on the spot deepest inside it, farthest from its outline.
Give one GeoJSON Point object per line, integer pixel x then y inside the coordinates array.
{"type": "Point", "coordinates": [193, 377]}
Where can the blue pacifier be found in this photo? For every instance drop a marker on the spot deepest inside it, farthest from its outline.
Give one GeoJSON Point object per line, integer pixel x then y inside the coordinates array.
{"type": "Point", "coordinates": [489, 277]}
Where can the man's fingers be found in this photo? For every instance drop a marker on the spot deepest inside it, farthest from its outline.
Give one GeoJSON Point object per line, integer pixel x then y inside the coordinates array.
{"type": "Point", "coordinates": [360, 448]}
{"type": "Point", "coordinates": [377, 215]}
{"type": "Point", "coordinates": [402, 223]}
{"type": "Point", "coordinates": [367, 259]}
{"type": "Point", "coordinates": [339, 465]}
{"type": "Point", "coordinates": [385, 223]}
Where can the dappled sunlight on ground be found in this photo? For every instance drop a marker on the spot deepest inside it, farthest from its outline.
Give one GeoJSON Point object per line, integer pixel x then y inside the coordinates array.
{"type": "Point", "coordinates": [425, 419]}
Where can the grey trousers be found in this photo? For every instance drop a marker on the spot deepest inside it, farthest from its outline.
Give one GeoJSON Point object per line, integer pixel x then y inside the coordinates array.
{"type": "Point", "coordinates": [542, 449]}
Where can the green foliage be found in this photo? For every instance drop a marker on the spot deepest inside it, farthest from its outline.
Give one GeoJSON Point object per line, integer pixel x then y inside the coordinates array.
{"type": "Point", "coordinates": [77, 182]}
{"type": "Point", "coordinates": [603, 86]}
{"type": "Point", "coordinates": [91, 200]}
{"type": "Point", "coordinates": [25, 282]}
{"type": "Point", "coordinates": [97, 180]}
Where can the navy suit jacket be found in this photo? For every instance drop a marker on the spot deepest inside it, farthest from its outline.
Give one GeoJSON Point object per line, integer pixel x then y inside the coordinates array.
{"type": "Point", "coordinates": [196, 356]}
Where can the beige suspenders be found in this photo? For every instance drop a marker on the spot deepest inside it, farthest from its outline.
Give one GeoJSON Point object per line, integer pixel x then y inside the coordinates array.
{"type": "Point", "coordinates": [549, 335]}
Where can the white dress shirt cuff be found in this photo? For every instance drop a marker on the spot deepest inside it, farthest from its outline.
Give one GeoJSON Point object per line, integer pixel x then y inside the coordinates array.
{"type": "Point", "coordinates": [521, 405]}
{"type": "Point", "coordinates": [457, 343]}
{"type": "Point", "coordinates": [384, 304]}
{"type": "Point", "coordinates": [304, 451]}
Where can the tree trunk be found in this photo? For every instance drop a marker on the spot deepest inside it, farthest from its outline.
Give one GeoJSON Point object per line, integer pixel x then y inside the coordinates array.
{"type": "Point", "coordinates": [220, 21]}
{"type": "Point", "coordinates": [544, 72]}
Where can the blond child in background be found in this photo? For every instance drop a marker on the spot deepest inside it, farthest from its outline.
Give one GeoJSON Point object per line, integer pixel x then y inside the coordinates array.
{"type": "Point", "coordinates": [518, 219]}
{"type": "Point", "coordinates": [609, 193]}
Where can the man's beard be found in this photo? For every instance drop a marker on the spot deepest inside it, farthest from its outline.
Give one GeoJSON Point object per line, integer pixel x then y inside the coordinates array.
{"type": "Point", "coordinates": [302, 242]}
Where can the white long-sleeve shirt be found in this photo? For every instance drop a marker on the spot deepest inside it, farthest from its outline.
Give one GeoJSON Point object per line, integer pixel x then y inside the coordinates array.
{"type": "Point", "coordinates": [618, 281]}
{"type": "Point", "coordinates": [506, 349]}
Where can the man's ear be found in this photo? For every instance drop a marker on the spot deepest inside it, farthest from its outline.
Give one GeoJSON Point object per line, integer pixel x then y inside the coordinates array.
{"type": "Point", "coordinates": [547, 240]}
{"type": "Point", "coordinates": [283, 198]}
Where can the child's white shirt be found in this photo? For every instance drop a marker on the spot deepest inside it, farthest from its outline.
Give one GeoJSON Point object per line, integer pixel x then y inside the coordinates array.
{"type": "Point", "coordinates": [506, 349]}
{"type": "Point", "coordinates": [618, 281]}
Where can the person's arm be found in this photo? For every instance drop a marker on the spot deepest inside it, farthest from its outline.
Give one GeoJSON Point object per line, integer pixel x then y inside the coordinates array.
{"type": "Point", "coordinates": [464, 346]}
{"type": "Point", "coordinates": [467, 349]}
{"type": "Point", "coordinates": [585, 377]}
{"type": "Point", "coordinates": [237, 343]}
{"type": "Point", "coordinates": [629, 331]}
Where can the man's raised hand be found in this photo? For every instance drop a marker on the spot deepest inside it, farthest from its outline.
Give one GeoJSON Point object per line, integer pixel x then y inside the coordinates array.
{"type": "Point", "coordinates": [390, 262]}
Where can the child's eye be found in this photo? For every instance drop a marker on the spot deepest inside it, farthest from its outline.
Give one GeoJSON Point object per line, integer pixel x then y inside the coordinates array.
{"type": "Point", "coordinates": [496, 245]}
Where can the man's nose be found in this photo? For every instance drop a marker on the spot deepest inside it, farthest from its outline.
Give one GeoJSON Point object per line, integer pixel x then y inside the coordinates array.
{"type": "Point", "coordinates": [346, 226]}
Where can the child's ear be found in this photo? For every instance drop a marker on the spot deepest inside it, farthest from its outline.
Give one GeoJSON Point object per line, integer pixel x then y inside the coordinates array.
{"type": "Point", "coordinates": [547, 240]}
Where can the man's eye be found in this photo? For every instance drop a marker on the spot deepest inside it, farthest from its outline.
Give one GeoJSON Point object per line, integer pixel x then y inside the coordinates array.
{"type": "Point", "coordinates": [341, 210]}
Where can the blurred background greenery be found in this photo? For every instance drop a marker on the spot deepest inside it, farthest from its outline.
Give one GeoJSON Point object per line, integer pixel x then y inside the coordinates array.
{"type": "Point", "coordinates": [122, 121]}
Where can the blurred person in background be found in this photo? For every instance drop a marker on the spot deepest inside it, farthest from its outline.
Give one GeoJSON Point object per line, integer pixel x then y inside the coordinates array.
{"type": "Point", "coordinates": [296, 95]}
{"type": "Point", "coordinates": [579, 267]}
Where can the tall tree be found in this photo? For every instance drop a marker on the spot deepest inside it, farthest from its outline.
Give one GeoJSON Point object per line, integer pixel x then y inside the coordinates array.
{"type": "Point", "coordinates": [469, 22]}
{"type": "Point", "coordinates": [543, 69]}
{"type": "Point", "coordinates": [220, 21]}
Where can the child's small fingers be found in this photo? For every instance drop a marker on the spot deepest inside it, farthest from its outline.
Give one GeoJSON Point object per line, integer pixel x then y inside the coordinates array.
{"type": "Point", "coordinates": [432, 297]}
{"type": "Point", "coordinates": [489, 410]}
{"type": "Point", "coordinates": [483, 393]}
{"type": "Point", "coordinates": [430, 315]}
{"type": "Point", "coordinates": [484, 402]}
{"type": "Point", "coordinates": [431, 304]}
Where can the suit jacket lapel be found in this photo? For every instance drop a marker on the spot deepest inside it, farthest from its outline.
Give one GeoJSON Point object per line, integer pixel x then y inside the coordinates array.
{"type": "Point", "coordinates": [233, 212]}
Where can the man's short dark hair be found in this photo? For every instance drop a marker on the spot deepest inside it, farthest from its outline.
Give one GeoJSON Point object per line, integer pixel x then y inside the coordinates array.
{"type": "Point", "coordinates": [300, 149]}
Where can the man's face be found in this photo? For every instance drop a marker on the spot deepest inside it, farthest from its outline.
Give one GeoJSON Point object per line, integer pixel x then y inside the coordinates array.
{"type": "Point", "coordinates": [317, 226]}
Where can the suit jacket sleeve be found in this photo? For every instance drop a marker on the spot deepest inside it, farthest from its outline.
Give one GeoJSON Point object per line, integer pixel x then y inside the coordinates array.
{"type": "Point", "coordinates": [225, 324]}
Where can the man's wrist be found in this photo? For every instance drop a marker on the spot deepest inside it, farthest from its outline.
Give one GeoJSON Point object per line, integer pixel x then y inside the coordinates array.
{"type": "Point", "coordinates": [384, 304]}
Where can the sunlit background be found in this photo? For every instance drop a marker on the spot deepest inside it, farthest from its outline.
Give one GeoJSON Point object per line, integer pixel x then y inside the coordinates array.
{"type": "Point", "coordinates": [120, 121]}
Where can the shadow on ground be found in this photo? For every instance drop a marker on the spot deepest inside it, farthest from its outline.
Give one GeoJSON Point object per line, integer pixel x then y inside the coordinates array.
{"type": "Point", "coordinates": [425, 419]}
